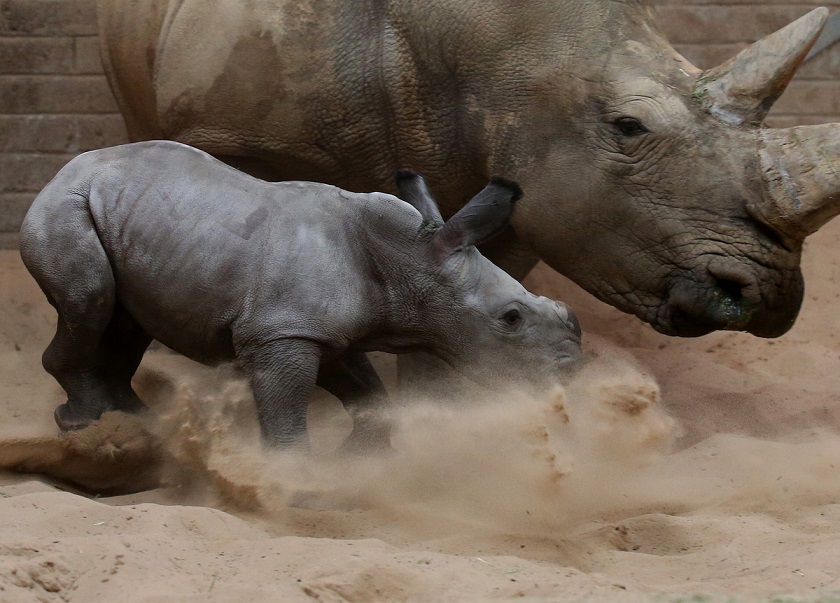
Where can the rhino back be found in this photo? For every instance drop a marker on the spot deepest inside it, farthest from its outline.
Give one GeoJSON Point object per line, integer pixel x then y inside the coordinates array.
{"type": "Point", "coordinates": [207, 95]}
{"type": "Point", "coordinates": [349, 91]}
{"type": "Point", "coordinates": [199, 249]}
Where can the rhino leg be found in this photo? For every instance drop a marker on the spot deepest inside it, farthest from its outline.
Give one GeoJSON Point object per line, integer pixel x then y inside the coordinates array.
{"type": "Point", "coordinates": [283, 373]}
{"type": "Point", "coordinates": [121, 349]}
{"type": "Point", "coordinates": [78, 282]}
{"type": "Point", "coordinates": [352, 379]}
{"type": "Point", "coordinates": [71, 360]}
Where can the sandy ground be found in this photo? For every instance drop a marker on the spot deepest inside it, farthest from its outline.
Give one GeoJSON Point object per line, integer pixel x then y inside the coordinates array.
{"type": "Point", "coordinates": [669, 470]}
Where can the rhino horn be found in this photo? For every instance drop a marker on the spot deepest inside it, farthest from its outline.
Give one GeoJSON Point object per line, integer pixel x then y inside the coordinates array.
{"type": "Point", "coordinates": [801, 170]}
{"type": "Point", "coordinates": [743, 89]}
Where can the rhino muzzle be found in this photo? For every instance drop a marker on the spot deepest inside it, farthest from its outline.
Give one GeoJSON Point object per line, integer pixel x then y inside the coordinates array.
{"type": "Point", "coordinates": [799, 190]}
{"type": "Point", "coordinates": [730, 301]}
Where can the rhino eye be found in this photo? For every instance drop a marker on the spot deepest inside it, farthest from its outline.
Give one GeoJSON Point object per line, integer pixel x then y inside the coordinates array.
{"type": "Point", "coordinates": [629, 126]}
{"type": "Point", "coordinates": [512, 317]}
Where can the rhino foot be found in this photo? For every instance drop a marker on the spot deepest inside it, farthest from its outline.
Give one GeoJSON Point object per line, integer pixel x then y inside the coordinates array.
{"type": "Point", "coordinates": [370, 435]}
{"type": "Point", "coordinates": [69, 418]}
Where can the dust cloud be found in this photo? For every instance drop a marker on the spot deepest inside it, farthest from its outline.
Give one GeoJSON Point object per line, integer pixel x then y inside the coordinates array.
{"type": "Point", "coordinates": [599, 449]}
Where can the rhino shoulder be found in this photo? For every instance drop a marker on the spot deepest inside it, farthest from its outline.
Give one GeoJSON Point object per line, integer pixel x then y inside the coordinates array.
{"type": "Point", "coordinates": [386, 211]}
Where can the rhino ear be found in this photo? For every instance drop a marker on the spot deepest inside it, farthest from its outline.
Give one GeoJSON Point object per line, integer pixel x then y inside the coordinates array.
{"type": "Point", "coordinates": [413, 190]}
{"type": "Point", "coordinates": [484, 216]}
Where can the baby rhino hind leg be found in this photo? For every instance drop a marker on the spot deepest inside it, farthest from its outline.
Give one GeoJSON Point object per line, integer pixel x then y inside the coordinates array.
{"type": "Point", "coordinates": [120, 351]}
{"type": "Point", "coordinates": [73, 270]}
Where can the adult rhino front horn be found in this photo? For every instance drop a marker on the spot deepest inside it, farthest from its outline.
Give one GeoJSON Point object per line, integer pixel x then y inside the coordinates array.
{"type": "Point", "coordinates": [649, 182]}
{"type": "Point", "coordinates": [801, 166]}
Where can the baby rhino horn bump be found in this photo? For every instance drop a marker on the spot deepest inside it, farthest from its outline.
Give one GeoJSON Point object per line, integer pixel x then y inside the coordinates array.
{"type": "Point", "coordinates": [743, 89]}
{"type": "Point", "coordinates": [801, 170]}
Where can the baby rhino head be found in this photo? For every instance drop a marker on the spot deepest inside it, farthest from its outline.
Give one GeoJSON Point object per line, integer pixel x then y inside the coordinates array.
{"type": "Point", "coordinates": [491, 329]}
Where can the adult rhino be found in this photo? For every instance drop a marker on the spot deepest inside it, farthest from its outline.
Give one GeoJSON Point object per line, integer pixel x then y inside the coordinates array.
{"type": "Point", "coordinates": [649, 182]}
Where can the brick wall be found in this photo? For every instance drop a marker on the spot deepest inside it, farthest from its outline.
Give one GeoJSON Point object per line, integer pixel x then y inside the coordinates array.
{"type": "Point", "coordinates": [55, 102]}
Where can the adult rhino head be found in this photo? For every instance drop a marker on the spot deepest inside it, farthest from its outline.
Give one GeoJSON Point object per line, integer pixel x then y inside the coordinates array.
{"type": "Point", "coordinates": [649, 182]}
{"type": "Point", "coordinates": [690, 213]}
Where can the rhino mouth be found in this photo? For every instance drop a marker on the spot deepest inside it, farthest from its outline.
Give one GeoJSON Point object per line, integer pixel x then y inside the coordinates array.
{"type": "Point", "coordinates": [571, 358]}
{"type": "Point", "coordinates": [693, 309]}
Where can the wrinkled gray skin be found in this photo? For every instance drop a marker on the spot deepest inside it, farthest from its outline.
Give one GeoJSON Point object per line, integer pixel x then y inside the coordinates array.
{"type": "Point", "coordinates": [294, 281]}
{"type": "Point", "coordinates": [647, 181]}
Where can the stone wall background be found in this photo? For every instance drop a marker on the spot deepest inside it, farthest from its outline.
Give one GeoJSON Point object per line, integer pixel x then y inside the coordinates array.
{"type": "Point", "coordinates": [55, 102]}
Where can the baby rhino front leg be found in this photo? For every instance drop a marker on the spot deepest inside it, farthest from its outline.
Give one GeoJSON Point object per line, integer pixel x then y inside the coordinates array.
{"type": "Point", "coordinates": [283, 373]}
{"type": "Point", "coordinates": [352, 379]}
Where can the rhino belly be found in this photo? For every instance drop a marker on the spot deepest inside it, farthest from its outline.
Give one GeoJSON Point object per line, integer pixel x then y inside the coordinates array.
{"type": "Point", "coordinates": [182, 317]}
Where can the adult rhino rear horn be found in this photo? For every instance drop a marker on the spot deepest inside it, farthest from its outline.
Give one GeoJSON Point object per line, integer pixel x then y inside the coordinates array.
{"type": "Point", "coordinates": [743, 89]}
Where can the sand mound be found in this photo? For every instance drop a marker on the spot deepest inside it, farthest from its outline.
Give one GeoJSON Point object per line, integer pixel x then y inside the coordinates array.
{"type": "Point", "coordinates": [115, 455]}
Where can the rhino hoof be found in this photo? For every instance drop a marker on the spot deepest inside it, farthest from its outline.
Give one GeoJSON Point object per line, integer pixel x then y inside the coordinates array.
{"type": "Point", "coordinates": [374, 439]}
{"type": "Point", "coordinates": [69, 419]}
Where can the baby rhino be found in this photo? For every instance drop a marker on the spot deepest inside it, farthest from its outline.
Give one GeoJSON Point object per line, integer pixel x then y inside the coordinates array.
{"type": "Point", "coordinates": [294, 281]}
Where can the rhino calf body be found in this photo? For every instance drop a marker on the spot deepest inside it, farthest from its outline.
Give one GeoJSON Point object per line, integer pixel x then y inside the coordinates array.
{"type": "Point", "coordinates": [294, 281]}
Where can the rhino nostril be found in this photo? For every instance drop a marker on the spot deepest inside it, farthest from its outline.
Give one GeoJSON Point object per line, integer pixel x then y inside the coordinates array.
{"type": "Point", "coordinates": [733, 303]}
{"type": "Point", "coordinates": [730, 288]}
{"type": "Point", "coordinates": [723, 300]}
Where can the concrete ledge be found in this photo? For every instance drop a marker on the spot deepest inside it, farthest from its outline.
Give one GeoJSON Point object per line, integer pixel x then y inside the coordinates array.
{"type": "Point", "coordinates": [68, 133]}
{"type": "Point", "coordinates": [13, 208]}
{"type": "Point", "coordinates": [30, 172]}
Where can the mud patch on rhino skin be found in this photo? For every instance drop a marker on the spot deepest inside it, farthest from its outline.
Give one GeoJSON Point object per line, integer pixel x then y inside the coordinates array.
{"type": "Point", "coordinates": [249, 56]}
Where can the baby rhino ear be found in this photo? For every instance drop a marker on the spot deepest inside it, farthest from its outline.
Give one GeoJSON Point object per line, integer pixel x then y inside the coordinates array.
{"type": "Point", "coordinates": [413, 190]}
{"type": "Point", "coordinates": [484, 216]}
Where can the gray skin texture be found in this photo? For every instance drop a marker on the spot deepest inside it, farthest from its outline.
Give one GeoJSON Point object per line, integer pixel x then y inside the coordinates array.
{"type": "Point", "coordinates": [669, 221]}
{"type": "Point", "coordinates": [293, 281]}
